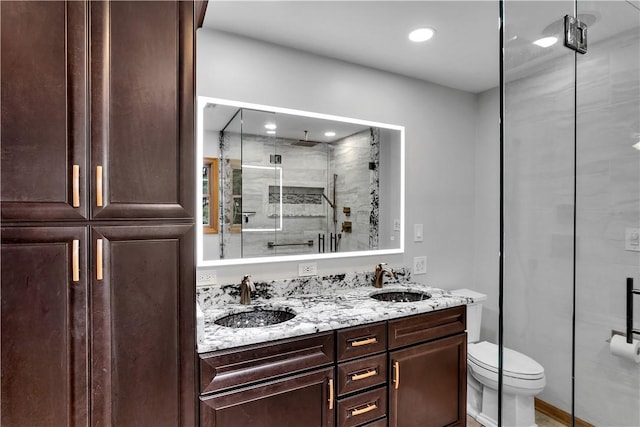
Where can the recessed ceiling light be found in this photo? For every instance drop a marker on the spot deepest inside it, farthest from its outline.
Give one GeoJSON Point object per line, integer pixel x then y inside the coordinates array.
{"type": "Point", "coordinates": [421, 34]}
{"type": "Point", "coordinates": [636, 145]}
{"type": "Point", "coordinates": [329, 134]}
{"type": "Point", "coordinates": [270, 126]}
{"type": "Point", "coordinates": [546, 41]}
{"type": "Point", "coordinates": [271, 132]}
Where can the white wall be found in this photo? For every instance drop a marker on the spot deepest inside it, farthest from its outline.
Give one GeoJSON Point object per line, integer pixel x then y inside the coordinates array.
{"type": "Point", "coordinates": [487, 209]}
{"type": "Point", "coordinates": [440, 131]}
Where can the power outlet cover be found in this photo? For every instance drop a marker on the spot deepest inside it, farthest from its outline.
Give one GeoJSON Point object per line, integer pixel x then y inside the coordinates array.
{"type": "Point", "coordinates": [308, 269]}
{"type": "Point", "coordinates": [206, 277]}
{"type": "Point", "coordinates": [420, 265]}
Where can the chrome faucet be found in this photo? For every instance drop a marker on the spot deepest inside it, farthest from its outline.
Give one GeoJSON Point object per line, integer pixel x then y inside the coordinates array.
{"type": "Point", "coordinates": [246, 287]}
{"type": "Point", "coordinates": [381, 269]}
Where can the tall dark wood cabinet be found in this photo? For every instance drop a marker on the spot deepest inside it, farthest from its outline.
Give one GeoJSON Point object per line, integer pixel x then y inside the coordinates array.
{"type": "Point", "coordinates": [97, 204]}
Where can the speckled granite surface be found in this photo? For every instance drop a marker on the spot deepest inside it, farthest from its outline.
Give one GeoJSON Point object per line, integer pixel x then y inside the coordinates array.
{"type": "Point", "coordinates": [320, 304]}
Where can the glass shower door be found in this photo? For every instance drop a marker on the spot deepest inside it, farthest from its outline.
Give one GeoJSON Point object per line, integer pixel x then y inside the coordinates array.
{"type": "Point", "coordinates": [607, 387]}
{"type": "Point", "coordinates": [538, 144]}
{"type": "Point", "coordinates": [571, 207]}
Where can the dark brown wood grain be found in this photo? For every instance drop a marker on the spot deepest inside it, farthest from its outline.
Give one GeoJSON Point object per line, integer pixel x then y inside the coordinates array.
{"type": "Point", "coordinates": [142, 85]}
{"type": "Point", "coordinates": [376, 400]}
{"type": "Point", "coordinates": [44, 107]}
{"type": "Point", "coordinates": [428, 326]}
{"type": "Point", "coordinates": [347, 339]}
{"type": "Point", "coordinates": [432, 387]}
{"type": "Point", "coordinates": [373, 364]}
{"type": "Point", "coordinates": [124, 92]}
{"type": "Point", "coordinates": [246, 365]}
{"type": "Point", "coordinates": [143, 345]}
{"type": "Point", "coordinates": [43, 328]}
{"type": "Point", "coordinates": [383, 422]}
{"type": "Point", "coordinates": [296, 401]}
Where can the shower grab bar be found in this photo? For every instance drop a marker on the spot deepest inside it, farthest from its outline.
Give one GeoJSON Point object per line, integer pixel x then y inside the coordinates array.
{"type": "Point", "coordinates": [630, 293]}
{"type": "Point", "coordinates": [273, 245]}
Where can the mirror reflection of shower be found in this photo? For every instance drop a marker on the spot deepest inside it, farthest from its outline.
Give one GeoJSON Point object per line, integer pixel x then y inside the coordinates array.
{"type": "Point", "coordinates": [297, 185]}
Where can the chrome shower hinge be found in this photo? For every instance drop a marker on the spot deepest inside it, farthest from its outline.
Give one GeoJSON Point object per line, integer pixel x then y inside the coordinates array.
{"type": "Point", "coordinates": [575, 34]}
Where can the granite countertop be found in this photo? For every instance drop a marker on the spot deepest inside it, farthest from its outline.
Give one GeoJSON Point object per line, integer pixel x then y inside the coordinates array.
{"type": "Point", "coordinates": [326, 305]}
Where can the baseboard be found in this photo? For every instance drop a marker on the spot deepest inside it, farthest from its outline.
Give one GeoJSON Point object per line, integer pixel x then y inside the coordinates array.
{"type": "Point", "coordinates": [558, 414]}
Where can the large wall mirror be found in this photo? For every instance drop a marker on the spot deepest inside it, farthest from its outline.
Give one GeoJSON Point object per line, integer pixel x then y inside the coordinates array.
{"type": "Point", "coordinates": [284, 184]}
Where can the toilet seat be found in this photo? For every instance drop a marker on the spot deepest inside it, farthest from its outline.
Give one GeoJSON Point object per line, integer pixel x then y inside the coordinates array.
{"type": "Point", "coordinates": [520, 372]}
{"type": "Point", "coordinates": [516, 365]}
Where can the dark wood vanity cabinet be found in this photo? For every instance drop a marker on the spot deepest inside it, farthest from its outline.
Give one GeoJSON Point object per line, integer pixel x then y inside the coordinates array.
{"type": "Point", "coordinates": [428, 377]}
{"type": "Point", "coordinates": [97, 164]}
{"type": "Point", "coordinates": [401, 373]}
{"type": "Point", "coordinates": [296, 401]}
{"type": "Point", "coordinates": [362, 374]}
{"type": "Point", "coordinates": [285, 384]}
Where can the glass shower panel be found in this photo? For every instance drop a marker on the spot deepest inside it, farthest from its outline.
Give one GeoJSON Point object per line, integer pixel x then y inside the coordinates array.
{"type": "Point", "coordinates": [230, 190]}
{"type": "Point", "coordinates": [607, 387]}
{"type": "Point", "coordinates": [302, 152]}
{"type": "Point", "coordinates": [259, 180]}
{"type": "Point", "coordinates": [538, 143]}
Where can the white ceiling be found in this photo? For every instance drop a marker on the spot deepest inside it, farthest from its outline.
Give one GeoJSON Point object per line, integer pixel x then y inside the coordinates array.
{"type": "Point", "coordinates": [463, 54]}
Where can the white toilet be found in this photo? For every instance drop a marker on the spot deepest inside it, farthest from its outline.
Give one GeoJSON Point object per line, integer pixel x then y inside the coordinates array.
{"type": "Point", "coordinates": [523, 377]}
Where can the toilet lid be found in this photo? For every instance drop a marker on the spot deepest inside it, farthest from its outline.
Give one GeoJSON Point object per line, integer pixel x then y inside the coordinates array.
{"type": "Point", "coordinates": [515, 364]}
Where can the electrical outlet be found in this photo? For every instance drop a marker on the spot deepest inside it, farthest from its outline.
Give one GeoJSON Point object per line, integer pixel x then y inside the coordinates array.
{"type": "Point", "coordinates": [308, 269]}
{"type": "Point", "coordinates": [206, 277]}
{"type": "Point", "coordinates": [396, 224]}
{"type": "Point", "coordinates": [420, 265]}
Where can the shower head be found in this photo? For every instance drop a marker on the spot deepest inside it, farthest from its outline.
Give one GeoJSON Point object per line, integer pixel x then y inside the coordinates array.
{"type": "Point", "coordinates": [305, 142]}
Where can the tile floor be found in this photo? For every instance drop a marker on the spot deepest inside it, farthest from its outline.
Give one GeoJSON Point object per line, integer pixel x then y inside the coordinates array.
{"type": "Point", "coordinates": [541, 419]}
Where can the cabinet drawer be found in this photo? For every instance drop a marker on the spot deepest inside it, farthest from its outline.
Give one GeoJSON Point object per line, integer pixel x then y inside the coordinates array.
{"type": "Point", "coordinates": [426, 327]}
{"type": "Point", "coordinates": [294, 401]}
{"type": "Point", "coordinates": [361, 341]}
{"type": "Point", "coordinates": [362, 408]}
{"type": "Point", "coordinates": [246, 365]}
{"type": "Point", "coordinates": [378, 423]}
{"type": "Point", "coordinates": [361, 374]}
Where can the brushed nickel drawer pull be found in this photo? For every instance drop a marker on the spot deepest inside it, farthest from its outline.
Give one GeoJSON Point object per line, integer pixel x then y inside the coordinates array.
{"type": "Point", "coordinates": [76, 186]}
{"type": "Point", "coordinates": [98, 186]}
{"type": "Point", "coordinates": [396, 375]}
{"type": "Point", "coordinates": [368, 374]}
{"type": "Point", "coordinates": [330, 393]}
{"type": "Point", "coordinates": [367, 341]}
{"type": "Point", "coordinates": [75, 260]}
{"type": "Point", "coordinates": [370, 407]}
{"type": "Point", "coordinates": [99, 273]}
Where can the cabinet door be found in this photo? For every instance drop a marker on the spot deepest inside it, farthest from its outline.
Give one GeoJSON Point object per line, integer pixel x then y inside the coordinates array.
{"type": "Point", "coordinates": [44, 110]}
{"type": "Point", "coordinates": [142, 109]}
{"type": "Point", "coordinates": [43, 326]}
{"type": "Point", "coordinates": [428, 383]}
{"type": "Point", "coordinates": [143, 326]}
{"type": "Point", "coordinates": [297, 401]}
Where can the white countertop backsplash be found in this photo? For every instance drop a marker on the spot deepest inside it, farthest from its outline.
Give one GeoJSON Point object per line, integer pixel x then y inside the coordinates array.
{"type": "Point", "coordinates": [320, 304]}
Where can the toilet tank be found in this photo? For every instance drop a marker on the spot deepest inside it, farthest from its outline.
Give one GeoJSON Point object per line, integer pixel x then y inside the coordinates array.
{"type": "Point", "coordinates": [474, 312]}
